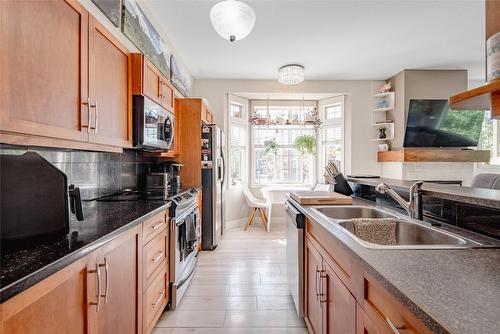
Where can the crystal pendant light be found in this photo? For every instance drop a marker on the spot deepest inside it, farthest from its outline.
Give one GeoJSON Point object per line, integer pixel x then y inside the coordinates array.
{"type": "Point", "coordinates": [232, 19]}
{"type": "Point", "coordinates": [291, 74]}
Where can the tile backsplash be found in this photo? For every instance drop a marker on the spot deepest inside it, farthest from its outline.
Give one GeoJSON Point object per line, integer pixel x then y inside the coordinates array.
{"type": "Point", "coordinates": [96, 173]}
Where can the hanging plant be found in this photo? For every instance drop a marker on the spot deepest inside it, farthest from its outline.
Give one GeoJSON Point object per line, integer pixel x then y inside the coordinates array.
{"type": "Point", "coordinates": [271, 146]}
{"type": "Point", "coordinates": [305, 144]}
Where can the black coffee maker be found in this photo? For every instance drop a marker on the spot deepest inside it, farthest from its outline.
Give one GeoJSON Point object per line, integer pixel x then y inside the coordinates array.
{"type": "Point", "coordinates": [174, 169]}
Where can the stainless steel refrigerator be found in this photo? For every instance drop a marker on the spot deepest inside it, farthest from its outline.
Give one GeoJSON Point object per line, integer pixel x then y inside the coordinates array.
{"type": "Point", "coordinates": [212, 174]}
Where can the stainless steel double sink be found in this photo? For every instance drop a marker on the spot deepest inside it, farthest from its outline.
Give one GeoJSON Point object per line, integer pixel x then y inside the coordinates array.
{"type": "Point", "coordinates": [410, 234]}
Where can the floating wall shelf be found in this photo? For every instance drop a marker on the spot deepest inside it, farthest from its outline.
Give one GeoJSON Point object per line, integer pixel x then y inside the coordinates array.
{"type": "Point", "coordinates": [434, 155]}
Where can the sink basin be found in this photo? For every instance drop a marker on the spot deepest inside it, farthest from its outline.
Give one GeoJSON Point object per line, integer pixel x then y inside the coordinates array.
{"type": "Point", "coordinates": [348, 212]}
{"type": "Point", "coordinates": [410, 234]}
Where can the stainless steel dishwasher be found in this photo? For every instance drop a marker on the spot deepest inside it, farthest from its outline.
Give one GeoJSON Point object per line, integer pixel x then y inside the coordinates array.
{"type": "Point", "coordinates": [295, 255]}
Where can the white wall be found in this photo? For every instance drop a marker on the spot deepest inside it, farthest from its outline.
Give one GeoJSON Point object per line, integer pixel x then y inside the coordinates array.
{"type": "Point", "coordinates": [360, 151]}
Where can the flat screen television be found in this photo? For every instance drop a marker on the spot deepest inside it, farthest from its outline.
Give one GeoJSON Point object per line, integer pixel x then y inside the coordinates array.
{"type": "Point", "coordinates": [431, 123]}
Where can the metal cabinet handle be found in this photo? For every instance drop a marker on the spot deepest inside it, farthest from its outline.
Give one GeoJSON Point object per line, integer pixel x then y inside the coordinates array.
{"type": "Point", "coordinates": [157, 226]}
{"type": "Point", "coordinates": [96, 116]}
{"type": "Point", "coordinates": [393, 327]}
{"type": "Point", "coordinates": [158, 301]}
{"type": "Point", "coordinates": [106, 271]}
{"type": "Point", "coordinates": [322, 275]}
{"type": "Point", "coordinates": [89, 120]}
{"type": "Point", "coordinates": [156, 259]}
{"type": "Point", "coordinates": [316, 282]}
{"type": "Point", "coordinates": [98, 276]}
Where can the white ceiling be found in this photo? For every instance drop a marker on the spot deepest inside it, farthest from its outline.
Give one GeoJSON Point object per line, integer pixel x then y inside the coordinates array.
{"type": "Point", "coordinates": [334, 40]}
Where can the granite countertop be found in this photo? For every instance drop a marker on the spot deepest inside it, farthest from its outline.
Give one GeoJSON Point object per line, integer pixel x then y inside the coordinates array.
{"type": "Point", "coordinates": [450, 291]}
{"type": "Point", "coordinates": [470, 195]}
{"type": "Point", "coordinates": [26, 265]}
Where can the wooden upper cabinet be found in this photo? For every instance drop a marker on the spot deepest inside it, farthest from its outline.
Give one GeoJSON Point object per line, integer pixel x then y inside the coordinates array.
{"type": "Point", "coordinates": [62, 303]}
{"type": "Point", "coordinates": [121, 284]}
{"type": "Point", "coordinates": [147, 80]}
{"type": "Point", "coordinates": [109, 88]}
{"type": "Point", "coordinates": [43, 66]}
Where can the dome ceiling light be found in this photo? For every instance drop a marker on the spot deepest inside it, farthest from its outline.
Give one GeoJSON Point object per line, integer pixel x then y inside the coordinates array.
{"type": "Point", "coordinates": [291, 74]}
{"type": "Point", "coordinates": [232, 19]}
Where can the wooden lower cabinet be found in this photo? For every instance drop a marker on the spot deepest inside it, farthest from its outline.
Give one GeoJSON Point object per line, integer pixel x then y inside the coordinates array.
{"type": "Point", "coordinates": [107, 291]}
{"type": "Point", "coordinates": [330, 307]}
{"type": "Point", "coordinates": [62, 303]}
{"type": "Point", "coordinates": [313, 308]}
{"type": "Point", "coordinates": [120, 284]}
{"type": "Point", "coordinates": [341, 297]}
{"type": "Point", "coordinates": [339, 306]}
{"type": "Point", "coordinates": [364, 325]}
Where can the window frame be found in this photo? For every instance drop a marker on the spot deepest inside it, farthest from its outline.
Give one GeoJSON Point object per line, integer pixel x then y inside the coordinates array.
{"type": "Point", "coordinates": [330, 123]}
{"type": "Point", "coordinates": [241, 122]}
{"type": "Point", "coordinates": [282, 104]}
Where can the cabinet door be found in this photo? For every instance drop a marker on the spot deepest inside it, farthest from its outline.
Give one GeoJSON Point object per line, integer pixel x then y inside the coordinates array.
{"type": "Point", "coordinates": [313, 310]}
{"type": "Point", "coordinates": [62, 303]}
{"type": "Point", "coordinates": [43, 66]}
{"type": "Point", "coordinates": [120, 284]}
{"type": "Point", "coordinates": [339, 306]}
{"type": "Point", "coordinates": [110, 88]}
{"type": "Point", "coordinates": [364, 325]}
{"type": "Point", "coordinates": [151, 85]}
{"type": "Point", "coordinates": [166, 94]}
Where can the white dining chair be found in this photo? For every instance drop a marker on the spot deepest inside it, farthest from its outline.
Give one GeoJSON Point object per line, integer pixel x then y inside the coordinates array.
{"type": "Point", "coordinates": [256, 205]}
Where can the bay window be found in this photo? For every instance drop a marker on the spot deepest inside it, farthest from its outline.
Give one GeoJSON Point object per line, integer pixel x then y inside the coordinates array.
{"type": "Point", "coordinates": [274, 132]}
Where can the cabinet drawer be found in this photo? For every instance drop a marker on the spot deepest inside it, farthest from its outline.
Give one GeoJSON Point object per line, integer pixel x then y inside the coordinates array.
{"type": "Point", "coordinates": [154, 254]}
{"type": "Point", "coordinates": [154, 226]}
{"type": "Point", "coordinates": [387, 313]}
{"type": "Point", "coordinates": [155, 299]}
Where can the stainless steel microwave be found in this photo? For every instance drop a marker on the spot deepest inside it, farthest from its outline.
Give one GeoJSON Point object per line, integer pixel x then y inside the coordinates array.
{"type": "Point", "coordinates": [153, 125]}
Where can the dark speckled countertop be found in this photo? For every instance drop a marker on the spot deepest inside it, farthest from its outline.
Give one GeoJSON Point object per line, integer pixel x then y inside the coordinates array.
{"type": "Point", "coordinates": [24, 266]}
{"type": "Point", "coordinates": [477, 196]}
{"type": "Point", "coordinates": [450, 291]}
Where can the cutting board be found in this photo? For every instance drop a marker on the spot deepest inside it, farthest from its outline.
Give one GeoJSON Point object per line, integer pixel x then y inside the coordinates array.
{"type": "Point", "coordinates": [320, 197]}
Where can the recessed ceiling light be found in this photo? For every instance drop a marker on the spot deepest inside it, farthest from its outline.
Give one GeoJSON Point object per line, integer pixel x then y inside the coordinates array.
{"type": "Point", "coordinates": [232, 19]}
{"type": "Point", "coordinates": [291, 74]}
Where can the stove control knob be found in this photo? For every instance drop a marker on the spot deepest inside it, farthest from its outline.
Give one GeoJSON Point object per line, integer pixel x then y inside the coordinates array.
{"type": "Point", "coordinates": [178, 199]}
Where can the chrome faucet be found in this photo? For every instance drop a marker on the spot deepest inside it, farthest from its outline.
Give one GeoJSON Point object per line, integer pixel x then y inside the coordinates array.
{"type": "Point", "coordinates": [414, 205]}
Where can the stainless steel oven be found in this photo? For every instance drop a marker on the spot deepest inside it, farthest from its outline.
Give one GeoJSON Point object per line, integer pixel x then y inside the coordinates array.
{"type": "Point", "coordinates": [295, 255]}
{"type": "Point", "coordinates": [153, 125]}
{"type": "Point", "coordinates": [185, 236]}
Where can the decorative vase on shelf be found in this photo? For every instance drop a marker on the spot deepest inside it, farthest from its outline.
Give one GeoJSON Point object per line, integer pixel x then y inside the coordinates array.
{"type": "Point", "coordinates": [381, 133]}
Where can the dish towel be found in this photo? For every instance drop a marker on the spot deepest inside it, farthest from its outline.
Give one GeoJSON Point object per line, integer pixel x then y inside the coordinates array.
{"type": "Point", "coordinates": [380, 231]}
{"type": "Point", "coordinates": [191, 236]}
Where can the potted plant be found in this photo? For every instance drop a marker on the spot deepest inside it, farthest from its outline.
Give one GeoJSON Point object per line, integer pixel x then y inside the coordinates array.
{"type": "Point", "coordinates": [305, 144]}
{"type": "Point", "coordinates": [271, 146]}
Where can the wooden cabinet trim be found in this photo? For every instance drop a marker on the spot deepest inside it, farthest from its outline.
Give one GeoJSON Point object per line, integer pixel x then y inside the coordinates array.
{"type": "Point", "coordinates": [341, 262]}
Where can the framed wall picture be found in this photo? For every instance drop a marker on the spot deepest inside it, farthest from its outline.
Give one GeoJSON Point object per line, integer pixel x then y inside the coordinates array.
{"type": "Point", "coordinates": [180, 78]}
{"type": "Point", "coordinates": [139, 30]}
{"type": "Point", "coordinates": [111, 8]}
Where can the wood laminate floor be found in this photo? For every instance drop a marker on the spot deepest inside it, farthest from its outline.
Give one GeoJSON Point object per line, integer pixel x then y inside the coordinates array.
{"type": "Point", "coordinates": [240, 288]}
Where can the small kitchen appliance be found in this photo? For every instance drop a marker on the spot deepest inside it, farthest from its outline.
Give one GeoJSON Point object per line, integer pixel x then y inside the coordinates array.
{"type": "Point", "coordinates": [35, 198]}
{"type": "Point", "coordinates": [153, 125]}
